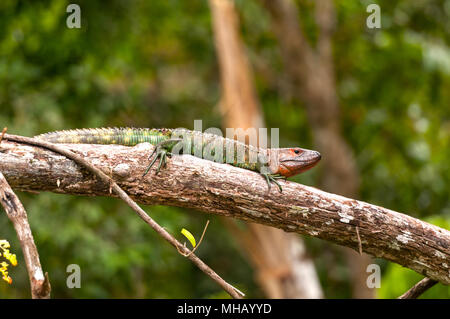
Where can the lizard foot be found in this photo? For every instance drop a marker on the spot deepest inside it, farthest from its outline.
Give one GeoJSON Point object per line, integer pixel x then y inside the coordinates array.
{"type": "Point", "coordinates": [161, 152]}
{"type": "Point", "coordinates": [273, 178]}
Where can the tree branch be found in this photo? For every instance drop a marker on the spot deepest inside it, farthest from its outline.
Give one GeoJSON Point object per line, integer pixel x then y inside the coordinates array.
{"type": "Point", "coordinates": [40, 284]}
{"type": "Point", "coordinates": [418, 289]}
{"type": "Point", "coordinates": [225, 190]}
{"type": "Point", "coordinates": [112, 186]}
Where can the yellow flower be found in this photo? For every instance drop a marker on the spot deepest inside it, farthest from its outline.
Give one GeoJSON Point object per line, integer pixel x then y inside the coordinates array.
{"type": "Point", "coordinates": [4, 243]}
{"type": "Point", "coordinates": [4, 272]}
{"type": "Point", "coordinates": [12, 258]}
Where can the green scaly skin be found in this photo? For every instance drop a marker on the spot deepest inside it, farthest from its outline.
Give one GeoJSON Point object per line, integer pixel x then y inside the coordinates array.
{"type": "Point", "coordinates": [203, 145]}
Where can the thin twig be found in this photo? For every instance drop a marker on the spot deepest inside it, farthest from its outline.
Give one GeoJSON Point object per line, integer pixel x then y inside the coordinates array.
{"type": "Point", "coordinates": [418, 289]}
{"type": "Point", "coordinates": [40, 285]}
{"type": "Point", "coordinates": [141, 213]}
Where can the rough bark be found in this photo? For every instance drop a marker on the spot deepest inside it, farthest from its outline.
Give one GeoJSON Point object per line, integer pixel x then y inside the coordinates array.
{"type": "Point", "coordinates": [225, 190]}
{"type": "Point", "coordinates": [283, 268]}
{"type": "Point", "coordinates": [312, 73]}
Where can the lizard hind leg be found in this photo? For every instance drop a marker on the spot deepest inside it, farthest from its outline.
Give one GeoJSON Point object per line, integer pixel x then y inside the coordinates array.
{"type": "Point", "coordinates": [162, 151]}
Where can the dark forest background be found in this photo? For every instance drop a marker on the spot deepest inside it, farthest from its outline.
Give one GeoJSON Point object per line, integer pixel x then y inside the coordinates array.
{"type": "Point", "coordinates": [155, 64]}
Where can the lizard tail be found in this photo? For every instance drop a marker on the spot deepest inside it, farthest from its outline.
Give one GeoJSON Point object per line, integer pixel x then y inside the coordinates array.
{"type": "Point", "coordinates": [122, 136]}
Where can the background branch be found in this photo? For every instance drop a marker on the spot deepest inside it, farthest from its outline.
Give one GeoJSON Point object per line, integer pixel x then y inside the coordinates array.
{"type": "Point", "coordinates": [418, 289]}
{"type": "Point", "coordinates": [229, 191]}
{"type": "Point", "coordinates": [40, 284]}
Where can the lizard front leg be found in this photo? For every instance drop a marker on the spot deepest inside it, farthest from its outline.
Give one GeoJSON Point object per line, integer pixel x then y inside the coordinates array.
{"type": "Point", "coordinates": [162, 150]}
{"type": "Point", "coordinates": [273, 178]}
{"type": "Point", "coordinates": [268, 173]}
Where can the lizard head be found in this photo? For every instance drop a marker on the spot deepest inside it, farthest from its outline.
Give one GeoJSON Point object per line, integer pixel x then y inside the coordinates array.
{"type": "Point", "coordinates": [293, 161]}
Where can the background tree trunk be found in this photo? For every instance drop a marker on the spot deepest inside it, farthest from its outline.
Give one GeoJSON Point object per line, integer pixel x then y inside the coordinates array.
{"type": "Point", "coordinates": [312, 74]}
{"type": "Point", "coordinates": [283, 268]}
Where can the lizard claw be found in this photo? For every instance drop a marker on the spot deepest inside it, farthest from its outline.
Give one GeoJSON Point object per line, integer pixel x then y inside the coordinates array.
{"type": "Point", "coordinates": [273, 178]}
{"type": "Point", "coordinates": [162, 153]}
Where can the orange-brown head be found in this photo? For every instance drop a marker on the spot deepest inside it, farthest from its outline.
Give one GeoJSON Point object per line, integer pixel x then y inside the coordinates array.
{"type": "Point", "coordinates": [293, 161]}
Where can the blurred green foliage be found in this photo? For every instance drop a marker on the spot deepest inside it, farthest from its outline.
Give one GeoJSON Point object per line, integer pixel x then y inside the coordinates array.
{"type": "Point", "coordinates": [153, 64]}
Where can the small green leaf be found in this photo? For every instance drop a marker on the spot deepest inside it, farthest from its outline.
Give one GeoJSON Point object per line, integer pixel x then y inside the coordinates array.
{"type": "Point", "coordinates": [189, 236]}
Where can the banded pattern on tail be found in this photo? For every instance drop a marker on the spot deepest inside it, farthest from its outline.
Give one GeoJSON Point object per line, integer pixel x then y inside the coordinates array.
{"type": "Point", "coordinates": [122, 136]}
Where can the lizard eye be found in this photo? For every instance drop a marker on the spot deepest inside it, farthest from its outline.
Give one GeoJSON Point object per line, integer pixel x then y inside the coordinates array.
{"type": "Point", "coordinates": [297, 152]}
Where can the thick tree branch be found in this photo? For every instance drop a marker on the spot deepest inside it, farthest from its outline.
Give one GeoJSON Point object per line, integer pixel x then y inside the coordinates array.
{"type": "Point", "coordinates": [229, 191]}
{"type": "Point", "coordinates": [40, 284]}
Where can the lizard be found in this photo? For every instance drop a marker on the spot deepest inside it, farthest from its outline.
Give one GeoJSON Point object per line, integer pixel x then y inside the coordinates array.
{"type": "Point", "coordinates": [271, 163]}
